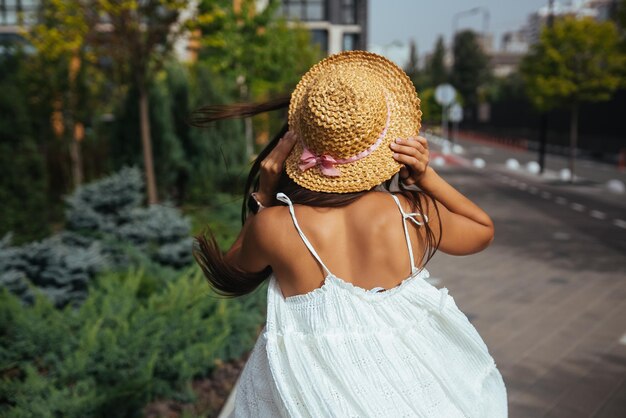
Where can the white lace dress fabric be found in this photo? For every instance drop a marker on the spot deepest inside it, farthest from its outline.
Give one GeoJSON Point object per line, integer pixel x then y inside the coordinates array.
{"type": "Point", "coordinates": [343, 351]}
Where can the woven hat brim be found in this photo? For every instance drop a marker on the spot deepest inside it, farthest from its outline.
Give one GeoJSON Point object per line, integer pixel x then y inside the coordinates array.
{"type": "Point", "coordinates": [379, 166]}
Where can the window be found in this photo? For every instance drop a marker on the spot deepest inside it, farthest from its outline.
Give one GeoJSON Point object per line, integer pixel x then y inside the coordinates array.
{"type": "Point", "coordinates": [315, 10]}
{"type": "Point", "coordinates": [305, 10]}
{"type": "Point", "coordinates": [294, 10]}
{"type": "Point", "coordinates": [350, 41]}
{"type": "Point", "coordinates": [10, 10]}
{"type": "Point", "coordinates": [320, 37]}
{"type": "Point", "coordinates": [348, 12]}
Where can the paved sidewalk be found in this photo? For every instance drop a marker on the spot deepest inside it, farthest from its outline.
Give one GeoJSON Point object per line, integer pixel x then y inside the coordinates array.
{"type": "Point", "coordinates": [549, 299]}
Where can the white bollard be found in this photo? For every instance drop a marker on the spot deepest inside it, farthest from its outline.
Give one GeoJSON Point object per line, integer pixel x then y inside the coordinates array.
{"type": "Point", "coordinates": [533, 167]}
{"type": "Point", "coordinates": [565, 174]}
{"type": "Point", "coordinates": [439, 161]}
{"type": "Point", "coordinates": [616, 186]}
{"type": "Point", "coordinates": [512, 164]}
{"type": "Point", "coordinates": [457, 149]}
{"type": "Point", "coordinates": [478, 163]}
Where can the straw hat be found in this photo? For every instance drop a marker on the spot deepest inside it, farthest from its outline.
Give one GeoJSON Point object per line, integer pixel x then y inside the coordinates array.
{"type": "Point", "coordinates": [346, 110]}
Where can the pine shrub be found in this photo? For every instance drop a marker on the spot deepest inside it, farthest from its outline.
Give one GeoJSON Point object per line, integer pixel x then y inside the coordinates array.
{"type": "Point", "coordinates": [119, 350]}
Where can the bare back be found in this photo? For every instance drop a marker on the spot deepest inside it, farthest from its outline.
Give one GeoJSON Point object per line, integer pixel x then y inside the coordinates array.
{"type": "Point", "coordinates": [363, 243]}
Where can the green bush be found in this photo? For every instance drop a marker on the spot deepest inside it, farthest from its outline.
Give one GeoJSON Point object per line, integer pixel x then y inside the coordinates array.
{"type": "Point", "coordinates": [222, 215]}
{"type": "Point", "coordinates": [119, 350]}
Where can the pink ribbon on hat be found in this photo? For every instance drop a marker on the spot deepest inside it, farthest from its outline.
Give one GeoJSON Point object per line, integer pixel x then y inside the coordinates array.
{"type": "Point", "coordinates": [327, 163]}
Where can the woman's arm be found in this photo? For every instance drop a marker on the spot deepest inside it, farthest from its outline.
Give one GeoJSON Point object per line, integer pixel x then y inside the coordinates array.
{"type": "Point", "coordinates": [251, 249]}
{"type": "Point", "coordinates": [249, 252]}
{"type": "Point", "coordinates": [452, 199]}
{"type": "Point", "coordinates": [232, 256]}
{"type": "Point", "coordinates": [466, 228]}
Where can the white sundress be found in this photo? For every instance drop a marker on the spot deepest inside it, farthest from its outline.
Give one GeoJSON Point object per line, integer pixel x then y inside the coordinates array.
{"type": "Point", "coordinates": [344, 351]}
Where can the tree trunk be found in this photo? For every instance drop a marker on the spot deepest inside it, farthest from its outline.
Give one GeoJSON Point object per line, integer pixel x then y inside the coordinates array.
{"type": "Point", "coordinates": [77, 133]}
{"type": "Point", "coordinates": [573, 136]}
{"type": "Point", "coordinates": [249, 138]}
{"type": "Point", "coordinates": [76, 158]}
{"type": "Point", "coordinates": [248, 129]}
{"type": "Point", "coordinates": [146, 142]}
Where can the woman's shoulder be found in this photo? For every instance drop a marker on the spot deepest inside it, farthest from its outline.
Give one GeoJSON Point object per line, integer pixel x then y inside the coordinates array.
{"type": "Point", "coordinates": [406, 202]}
{"type": "Point", "coordinates": [270, 217]}
{"type": "Point", "coordinates": [424, 201]}
{"type": "Point", "coordinates": [372, 203]}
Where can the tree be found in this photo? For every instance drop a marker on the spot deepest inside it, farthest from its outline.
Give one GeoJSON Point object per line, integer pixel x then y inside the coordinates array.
{"type": "Point", "coordinates": [257, 49]}
{"type": "Point", "coordinates": [124, 149]}
{"type": "Point", "coordinates": [412, 67]}
{"type": "Point", "coordinates": [577, 61]}
{"type": "Point", "coordinates": [23, 178]}
{"type": "Point", "coordinates": [470, 69]}
{"type": "Point", "coordinates": [215, 155]}
{"type": "Point", "coordinates": [619, 18]}
{"type": "Point", "coordinates": [431, 110]}
{"type": "Point", "coordinates": [436, 67]}
{"type": "Point", "coordinates": [139, 36]}
{"type": "Point", "coordinates": [62, 63]}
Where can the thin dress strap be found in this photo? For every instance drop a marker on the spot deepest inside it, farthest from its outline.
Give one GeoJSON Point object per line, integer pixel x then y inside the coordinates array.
{"type": "Point", "coordinates": [406, 230]}
{"type": "Point", "coordinates": [283, 198]}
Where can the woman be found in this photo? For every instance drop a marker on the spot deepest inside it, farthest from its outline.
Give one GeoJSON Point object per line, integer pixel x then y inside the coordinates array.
{"type": "Point", "coordinates": [346, 213]}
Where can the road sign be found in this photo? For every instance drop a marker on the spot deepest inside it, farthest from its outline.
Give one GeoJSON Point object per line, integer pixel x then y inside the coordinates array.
{"type": "Point", "coordinates": [456, 113]}
{"type": "Point", "coordinates": [445, 94]}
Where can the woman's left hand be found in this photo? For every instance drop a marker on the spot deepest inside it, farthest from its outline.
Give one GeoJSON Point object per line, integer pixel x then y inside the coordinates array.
{"type": "Point", "coordinates": [271, 167]}
{"type": "Point", "coordinates": [414, 154]}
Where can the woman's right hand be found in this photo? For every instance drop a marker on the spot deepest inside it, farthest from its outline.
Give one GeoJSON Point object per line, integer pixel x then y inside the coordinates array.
{"type": "Point", "coordinates": [414, 154]}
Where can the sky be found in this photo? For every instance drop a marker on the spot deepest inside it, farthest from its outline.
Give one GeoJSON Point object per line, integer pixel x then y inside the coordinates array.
{"type": "Point", "coordinates": [393, 21]}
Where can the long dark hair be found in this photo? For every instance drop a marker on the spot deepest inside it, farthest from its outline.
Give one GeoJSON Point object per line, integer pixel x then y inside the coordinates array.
{"type": "Point", "coordinates": [229, 280]}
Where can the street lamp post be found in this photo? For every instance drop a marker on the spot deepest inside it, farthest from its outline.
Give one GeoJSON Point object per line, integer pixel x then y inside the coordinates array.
{"type": "Point", "coordinates": [470, 12]}
{"type": "Point", "coordinates": [543, 125]}
{"type": "Point", "coordinates": [394, 43]}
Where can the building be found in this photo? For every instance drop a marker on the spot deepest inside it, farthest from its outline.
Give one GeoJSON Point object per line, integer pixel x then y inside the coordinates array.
{"type": "Point", "coordinates": [12, 12]}
{"type": "Point", "coordinates": [513, 47]}
{"type": "Point", "coordinates": [598, 9]}
{"type": "Point", "coordinates": [516, 44]}
{"type": "Point", "coordinates": [24, 13]}
{"type": "Point", "coordinates": [335, 25]}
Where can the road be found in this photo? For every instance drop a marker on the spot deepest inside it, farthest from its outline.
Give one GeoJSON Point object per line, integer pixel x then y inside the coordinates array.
{"type": "Point", "coordinates": [549, 295]}
{"type": "Point", "coordinates": [591, 176]}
